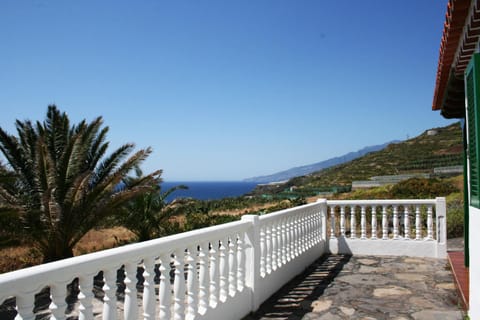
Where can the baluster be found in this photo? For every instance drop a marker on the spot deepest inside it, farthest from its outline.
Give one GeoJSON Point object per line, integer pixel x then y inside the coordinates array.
{"type": "Point", "coordinates": [85, 297]}
{"type": "Point", "coordinates": [283, 242]}
{"type": "Point", "coordinates": [58, 292]}
{"type": "Point", "coordinates": [288, 240]}
{"type": "Point", "coordinates": [342, 221]}
{"type": "Point", "coordinates": [418, 224]}
{"type": "Point", "coordinates": [384, 223]}
{"type": "Point", "coordinates": [241, 262]}
{"type": "Point", "coordinates": [203, 278]}
{"type": "Point", "coordinates": [131, 307]}
{"type": "Point", "coordinates": [301, 229]}
{"type": "Point", "coordinates": [110, 290]}
{"type": "Point", "coordinates": [332, 222]}
{"type": "Point", "coordinates": [303, 219]}
{"type": "Point", "coordinates": [296, 235]}
{"type": "Point", "coordinates": [274, 246]}
{"type": "Point", "coordinates": [300, 233]}
{"type": "Point", "coordinates": [293, 241]}
{"type": "Point", "coordinates": [178, 286]}
{"type": "Point", "coordinates": [224, 270]}
{"type": "Point", "coordinates": [232, 266]}
{"type": "Point", "coordinates": [363, 223]}
{"type": "Point", "coordinates": [214, 274]}
{"type": "Point", "coordinates": [148, 288]}
{"type": "Point", "coordinates": [406, 222]}
{"type": "Point", "coordinates": [268, 239]}
{"type": "Point", "coordinates": [313, 231]}
{"type": "Point", "coordinates": [309, 230]}
{"type": "Point", "coordinates": [263, 253]}
{"type": "Point", "coordinates": [374, 223]}
{"type": "Point", "coordinates": [430, 223]}
{"type": "Point", "coordinates": [306, 231]}
{"type": "Point", "coordinates": [192, 284]}
{"type": "Point", "coordinates": [165, 289]}
{"type": "Point", "coordinates": [395, 222]}
{"type": "Point", "coordinates": [25, 303]}
{"type": "Point", "coordinates": [319, 227]}
{"type": "Point", "coordinates": [353, 223]}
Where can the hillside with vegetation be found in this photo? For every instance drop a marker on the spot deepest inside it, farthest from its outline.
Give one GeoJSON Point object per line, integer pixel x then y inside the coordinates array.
{"type": "Point", "coordinates": [146, 215]}
{"type": "Point", "coordinates": [438, 147]}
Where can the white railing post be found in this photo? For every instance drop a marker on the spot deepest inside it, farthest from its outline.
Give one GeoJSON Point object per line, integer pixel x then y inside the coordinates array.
{"type": "Point", "coordinates": [192, 283]}
{"type": "Point", "coordinates": [418, 223]}
{"type": "Point", "coordinates": [342, 221]}
{"type": "Point", "coordinates": [131, 307]}
{"type": "Point", "coordinates": [363, 223]}
{"type": "Point", "coordinates": [395, 222]}
{"type": "Point", "coordinates": [241, 262]}
{"type": "Point", "coordinates": [223, 269]}
{"type": "Point", "coordinates": [353, 223]}
{"type": "Point", "coordinates": [58, 305]}
{"type": "Point", "coordinates": [85, 297]}
{"type": "Point", "coordinates": [374, 223]}
{"type": "Point", "coordinates": [252, 255]}
{"type": "Point", "coordinates": [441, 223]}
{"type": "Point", "coordinates": [323, 217]}
{"type": "Point", "coordinates": [178, 285]}
{"type": "Point", "coordinates": [406, 222]}
{"type": "Point", "coordinates": [384, 223]}
{"type": "Point", "coordinates": [25, 303]}
{"type": "Point", "coordinates": [429, 223]}
{"type": "Point", "coordinates": [110, 299]}
{"type": "Point", "coordinates": [204, 280]}
{"type": "Point", "coordinates": [332, 222]}
{"type": "Point", "coordinates": [232, 266]}
{"type": "Point", "coordinates": [165, 288]}
{"type": "Point", "coordinates": [148, 288]}
{"type": "Point", "coordinates": [274, 247]}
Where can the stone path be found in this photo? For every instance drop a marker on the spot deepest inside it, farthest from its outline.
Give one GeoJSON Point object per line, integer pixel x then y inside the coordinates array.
{"type": "Point", "coordinates": [366, 287]}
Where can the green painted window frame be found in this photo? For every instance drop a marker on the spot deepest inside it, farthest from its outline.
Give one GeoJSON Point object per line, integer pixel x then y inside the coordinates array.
{"type": "Point", "coordinates": [472, 99]}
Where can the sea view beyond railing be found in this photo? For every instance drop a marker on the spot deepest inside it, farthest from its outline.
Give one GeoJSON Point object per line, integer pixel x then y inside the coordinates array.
{"type": "Point", "coordinates": [221, 272]}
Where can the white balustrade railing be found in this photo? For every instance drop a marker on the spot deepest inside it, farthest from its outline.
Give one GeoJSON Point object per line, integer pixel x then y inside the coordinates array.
{"type": "Point", "coordinates": [407, 227]}
{"type": "Point", "coordinates": [220, 272]}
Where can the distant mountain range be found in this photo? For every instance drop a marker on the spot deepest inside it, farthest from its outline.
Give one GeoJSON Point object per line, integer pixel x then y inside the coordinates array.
{"type": "Point", "coordinates": [308, 169]}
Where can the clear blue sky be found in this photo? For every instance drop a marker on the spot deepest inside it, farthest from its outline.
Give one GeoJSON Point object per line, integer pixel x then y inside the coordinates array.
{"type": "Point", "coordinates": [225, 90]}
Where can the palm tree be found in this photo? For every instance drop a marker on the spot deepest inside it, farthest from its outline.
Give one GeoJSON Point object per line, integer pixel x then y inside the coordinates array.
{"type": "Point", "coordinates": [60, 182]}
{"type": "Point", "coordinates": [148, 215]}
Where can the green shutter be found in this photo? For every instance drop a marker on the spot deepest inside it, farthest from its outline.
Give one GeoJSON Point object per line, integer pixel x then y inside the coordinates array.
{"type": "Point", "coordinates": [472, 92]}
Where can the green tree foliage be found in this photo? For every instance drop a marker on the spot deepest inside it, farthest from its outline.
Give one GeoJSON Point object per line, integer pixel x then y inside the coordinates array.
{"type": "Point", "coordinates": [421, 188]}
{"type": "Point", "coordinates": [148, 216]}
{"type": "Point", "coordinates": [60, 182]}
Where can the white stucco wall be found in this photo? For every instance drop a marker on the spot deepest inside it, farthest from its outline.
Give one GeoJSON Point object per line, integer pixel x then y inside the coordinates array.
{"type": "Point", "coordinates": [474, 240]}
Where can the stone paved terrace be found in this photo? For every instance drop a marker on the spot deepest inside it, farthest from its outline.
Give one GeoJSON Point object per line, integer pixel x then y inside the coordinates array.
{"type": "Point", "coordinates": [366, 287]}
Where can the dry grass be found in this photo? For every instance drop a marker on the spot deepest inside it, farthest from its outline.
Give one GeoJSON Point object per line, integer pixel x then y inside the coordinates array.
{"type": "Point", "coordinates": [21, 256]}
{"type": "Point", "coordinates": [18, 257]}
{"type": "Point", "coordinates": [101, 239]}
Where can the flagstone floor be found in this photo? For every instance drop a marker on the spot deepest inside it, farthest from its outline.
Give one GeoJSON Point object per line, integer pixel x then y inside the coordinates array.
{"type": "Point", "coordinates": [367, 287]}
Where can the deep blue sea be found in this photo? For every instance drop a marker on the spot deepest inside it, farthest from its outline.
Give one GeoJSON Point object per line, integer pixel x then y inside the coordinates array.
{"type": "Point", "coordinates": [209, 190]}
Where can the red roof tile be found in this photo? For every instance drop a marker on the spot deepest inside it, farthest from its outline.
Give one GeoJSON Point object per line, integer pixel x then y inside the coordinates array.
{"type": "Point", "coordinates": [457, 12]}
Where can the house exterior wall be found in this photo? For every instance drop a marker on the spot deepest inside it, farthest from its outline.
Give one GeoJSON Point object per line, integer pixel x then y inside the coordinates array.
{"type": "Point", "coordinates": [474, 280]}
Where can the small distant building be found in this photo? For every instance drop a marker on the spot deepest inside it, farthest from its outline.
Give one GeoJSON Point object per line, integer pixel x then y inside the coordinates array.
{"type": "Point", "coordinates": [379, 181]}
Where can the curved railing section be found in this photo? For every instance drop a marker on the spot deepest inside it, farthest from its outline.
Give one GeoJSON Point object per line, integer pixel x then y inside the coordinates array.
{"type": "Point", "coordinates": [220, 272]}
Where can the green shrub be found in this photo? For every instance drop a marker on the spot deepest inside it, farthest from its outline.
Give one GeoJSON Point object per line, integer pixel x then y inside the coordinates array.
{"type": "Point", "coordinates": [455, 215]}
{"type": "Point", "coordinates": [418, 188]}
